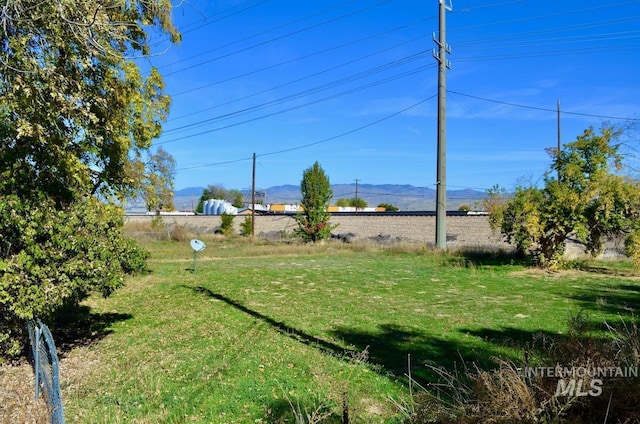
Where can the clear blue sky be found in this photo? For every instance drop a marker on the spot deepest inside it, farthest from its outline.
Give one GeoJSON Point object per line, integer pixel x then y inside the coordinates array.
{"type": "Point", "coordinates": [352, 84]}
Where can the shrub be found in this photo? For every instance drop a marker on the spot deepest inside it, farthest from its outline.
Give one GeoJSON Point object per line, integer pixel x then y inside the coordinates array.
{"type": "Point", "coordinates": [226, 224]}
{"type": "Point", "coordinates": [584, 196]}
{"type": "Point", "coordinates": [246, 226]}
{"type": "Point", "coordinates": [50, 258]}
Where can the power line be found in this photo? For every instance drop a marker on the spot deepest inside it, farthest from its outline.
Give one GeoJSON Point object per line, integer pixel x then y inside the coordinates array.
{"type": "Point", "coordinates": [253, 46]}
{"type": "Point", "coordinates": [343, 93]}
{"type": "Point", "coordinates": [327, 50]}
{"type": "Point", "coordinates": [317, 89]}
{"type": "Point", "coordinates": [259, 33]}
{"type": "Point", "coordinates": [555, 111]}
{"type": "Point", "coordinates": [193, 26]}
{"type": "Point", "coordinates": [352, 131]}
{"type": "Point", "coordinates": [530, 55]}
{"type": "Point", "coordinates": [540, 17]}
{"type": "Point", "coordinates": [325, 140]}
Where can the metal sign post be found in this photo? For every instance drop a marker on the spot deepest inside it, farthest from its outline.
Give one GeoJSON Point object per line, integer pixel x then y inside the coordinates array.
{"type": "Point", "coordinates": [197, 246]}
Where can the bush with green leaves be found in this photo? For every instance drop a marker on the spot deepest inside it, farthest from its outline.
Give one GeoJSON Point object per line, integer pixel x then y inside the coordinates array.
{"type": "Point", "coordinates": [246, 226]}
{"type": "Point", "coordinates": [388, 207]}
{"type": "Point", "coordinates": [584, 196]}
{"type": "Point", "coordinates": [226, 224]}
{"type": "Point", "coordinates": [50, 258]}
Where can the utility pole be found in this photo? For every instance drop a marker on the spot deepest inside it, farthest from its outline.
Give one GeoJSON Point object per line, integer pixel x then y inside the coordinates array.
{"type": "Point", "coordinates": [253, 198]}
{"type": "Point", "coordinates": [441, 173]}
{"type": "Point", "coordinates": [356, 196]}
{"type": "Point", "coordinates": [559, 144]}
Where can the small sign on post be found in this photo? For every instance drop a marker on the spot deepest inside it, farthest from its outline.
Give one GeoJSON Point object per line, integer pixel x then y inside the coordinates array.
{"type": "Point", "coordinates": [197, 246]}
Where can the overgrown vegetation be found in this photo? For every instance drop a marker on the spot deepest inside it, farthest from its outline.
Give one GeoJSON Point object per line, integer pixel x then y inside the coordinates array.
{"type": "Point", "coordinates": [584, 196]}
{"type": "Point", "coordinates": [584, 377]}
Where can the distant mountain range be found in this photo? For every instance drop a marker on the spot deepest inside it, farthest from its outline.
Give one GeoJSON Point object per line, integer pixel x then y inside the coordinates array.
{"type": "Point", "coordinates": [405, 197]}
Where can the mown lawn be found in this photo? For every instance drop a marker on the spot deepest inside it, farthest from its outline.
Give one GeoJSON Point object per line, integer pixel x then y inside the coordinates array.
{"type": "Point", "coordinates": [262, 331]}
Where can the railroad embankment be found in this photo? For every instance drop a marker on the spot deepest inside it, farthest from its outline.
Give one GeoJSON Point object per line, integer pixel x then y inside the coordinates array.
{"type": "Point", "coordinates": [472, 231]}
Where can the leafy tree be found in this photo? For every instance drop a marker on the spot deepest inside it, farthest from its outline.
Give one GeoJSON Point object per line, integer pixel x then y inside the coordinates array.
{"type": "Point", "coordinates": [77, 118]}
{"type": "Point", "coordinates": [77, 114]}
{"type": "Point", "coordinates": [588, 199]}
{"type": "Point", "coordinates": [158, 187]}
{"type": "Point", "coordinates": [313, 222]}
{"type": "Point", "coordinates": [359, 202]}
{"type": "Point", "coordinates": [388, 207]}
{"type": "Point", "coordinates": [233, 196]}
{"type": "Point", "coordinates": [353, 202]}
{"type": "Point", "coordinates": [236, 198]}
{"type": "Point", "coordinates": [494, 205]}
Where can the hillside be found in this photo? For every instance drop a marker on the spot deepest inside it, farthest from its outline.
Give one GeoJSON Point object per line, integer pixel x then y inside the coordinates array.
{"type": "Point", "coordinates": [404, 196]}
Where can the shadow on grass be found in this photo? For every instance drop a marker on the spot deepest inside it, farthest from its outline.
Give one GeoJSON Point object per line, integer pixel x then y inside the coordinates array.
{"type": "Point", "coordinates": [388, 345]}
{"type": "Point", "coordinates": [622, 301]}
{"type": "Point", "coordinates": [395, 349]}
{"type": "Point", "coordinates": [79, 327]}
{"type": "Point", "coordinates": [387, 348]}
{"type": "Point", "coordinates": [279, 326]}
{"type": "Point", "coordinates": [491, 257]}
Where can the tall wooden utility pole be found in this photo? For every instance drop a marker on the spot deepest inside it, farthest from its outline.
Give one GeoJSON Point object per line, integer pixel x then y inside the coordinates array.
{"type": "Point", "coordinates": [253, 199]}
{"type": "Point", "coordinates": [559, 141]}
{"type": "Point", "coordinates": [356, 195]}
{"type": "Point", "coordinates": [441, 173]}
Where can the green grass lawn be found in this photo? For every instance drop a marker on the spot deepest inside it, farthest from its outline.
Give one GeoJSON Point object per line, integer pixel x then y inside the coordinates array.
{"type": "Point", "coordinates": [261, 331]}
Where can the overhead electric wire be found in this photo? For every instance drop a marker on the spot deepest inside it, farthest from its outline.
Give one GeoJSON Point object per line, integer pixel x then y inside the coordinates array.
{"type": "Point", "coordinates": [295, 21]}
{"type": "Point", "coordinates": [325, 140]}
{"type": "Point", "coordinates": [318, 52]}
{"type": "Point", "coordinates": [210, 22]}
{"type": "Point", "coordinates": [333, 96]}
{"type": "Point", "coordinates": [387, 117]}
{"type": "Point", "coordinates": [542, 108]}
{"type": "Point", "coordinates": [262, 43]}
{"type": "Point", "coordinates": [547, 31]}
{"type": "Point", "coordinates": [453, 29]}
{"type": "Point", "coordinates": [529, 55]}
{"type": "Point", "coordinates": [317, 89]}
{"type": "Point", "coordinates": [197, 24]}
{"type": "Point", "coordinates": [487, 6]}
{"type": "Point", "coordinates": [573, 39]}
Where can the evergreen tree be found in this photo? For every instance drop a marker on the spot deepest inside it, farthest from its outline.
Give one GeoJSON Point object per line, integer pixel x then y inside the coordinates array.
{"type": "Point", "coordinates": [313, 221]}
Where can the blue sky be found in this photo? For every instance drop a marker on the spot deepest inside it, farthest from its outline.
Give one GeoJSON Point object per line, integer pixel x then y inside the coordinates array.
{"type": "Point", "coordinates": [352, 84]}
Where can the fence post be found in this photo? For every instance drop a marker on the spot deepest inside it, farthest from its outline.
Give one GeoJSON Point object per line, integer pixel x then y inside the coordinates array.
{"type": "Point", "coordinates": [44, 349]}
{"type": "Point", "coordinates": [36, 360]}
